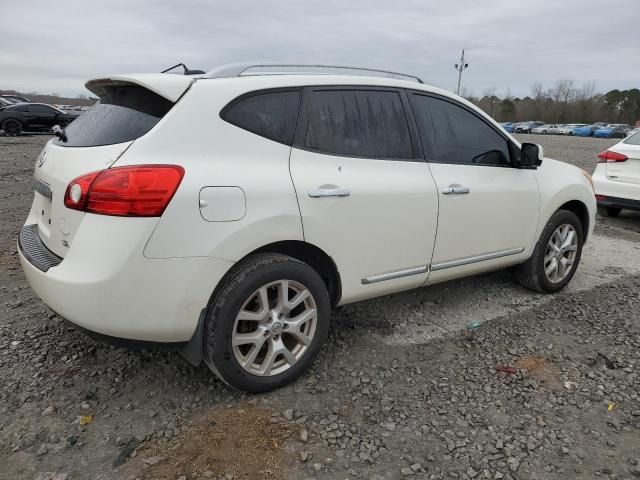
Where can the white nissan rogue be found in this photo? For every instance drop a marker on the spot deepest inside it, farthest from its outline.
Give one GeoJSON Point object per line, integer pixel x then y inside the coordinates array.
{"type": "Point", "coordinates": [226, 213]}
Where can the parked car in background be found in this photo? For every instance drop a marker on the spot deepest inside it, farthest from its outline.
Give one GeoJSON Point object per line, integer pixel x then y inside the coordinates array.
{"type": "Point", "coordinates": [567, 129]}
{"type": "Point", "coordinates": [196, 191]}
{"type": "Point", "coordinates": [510, 128]}
{"type": "Point", "coordinates": [616, 179]}
{"type": "Point", "coordinates": [32, 117]}
{"type": "Point", "coordinates": [505, 124]}
{"type": "Point", "coordinates": [587, 130]}
{"type": "Point", "coordinates": [15, 99]}
{"type": "Point", "coordinates": [525, 127]}
{"type": "Point", "coordinates": [551, 129]}
{"type": "Point", "coordinates": [613, 130]}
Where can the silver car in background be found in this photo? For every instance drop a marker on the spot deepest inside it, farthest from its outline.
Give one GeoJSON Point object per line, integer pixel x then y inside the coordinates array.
{"type": "Point", "coordinates": [551, 129]}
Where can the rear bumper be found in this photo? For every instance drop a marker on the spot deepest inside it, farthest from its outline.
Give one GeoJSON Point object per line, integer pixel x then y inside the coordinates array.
{"type": "Point", "coordinates": [624, 203]}
{"type": "Point", "coordinates": [613, 193]}
{"type": "Point", "coordinates": [106, 285]}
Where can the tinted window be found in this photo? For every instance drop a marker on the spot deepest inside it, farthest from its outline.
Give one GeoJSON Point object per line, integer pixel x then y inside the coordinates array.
{"type": "Point", "coordinates": [358, 123]}
{"type": "Point", "coordinates": [452, 134]}
{"type": "Point", "coordinates": [124, 113]}
{"type": "Point", "coordinates": [271, 115]}
{"type": "Point", "coordinates": [42, 109]}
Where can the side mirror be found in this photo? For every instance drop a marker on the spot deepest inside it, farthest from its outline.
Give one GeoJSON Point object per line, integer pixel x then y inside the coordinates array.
{"type": "Point", "coordinates": [531, 155]}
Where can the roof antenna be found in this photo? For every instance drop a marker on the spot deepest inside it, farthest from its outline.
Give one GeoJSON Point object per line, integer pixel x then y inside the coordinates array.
{"type": "Point", "coordinates": [187, 71]}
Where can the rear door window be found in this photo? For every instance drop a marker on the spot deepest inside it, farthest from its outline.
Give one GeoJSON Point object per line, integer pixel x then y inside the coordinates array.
{"type": "Point", "coordinates": [452, 134]}
{"type": "Point", "coordinates": [358, 123]}
{"type": "Point", "coordinates": [271, 114]}
{"type": "Point", "coordinates": [124, 113]}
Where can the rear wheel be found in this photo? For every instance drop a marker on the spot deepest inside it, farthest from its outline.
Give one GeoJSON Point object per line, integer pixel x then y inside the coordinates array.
{"type": "Point", "coordinates": [555, 257]}
{"type": "Point", "coordinates": [12, 127]}
{"type": "Point", "coordinates": [267, 323]}
{"type": "Point", "coordinates": [609, 211]}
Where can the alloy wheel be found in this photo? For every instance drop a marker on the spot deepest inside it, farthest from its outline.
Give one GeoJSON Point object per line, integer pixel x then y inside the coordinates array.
{"type": "Point", "coordinates": [560, 253]}
{"type": "Point", "coordinates": [274, 328]}
{"type": "Point", "coordinates": [11, 127]}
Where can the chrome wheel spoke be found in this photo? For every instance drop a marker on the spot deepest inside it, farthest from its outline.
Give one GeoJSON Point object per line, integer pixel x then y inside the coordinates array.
{"type": "Point", "coordinates": [560, 253]}
{"type": "Point", "coordinates": [280, 339]}
{"type": "Point", "coordinates": [551, 268]}
{"type": "Point", "coordinates": [301, 337]}
{"type": "Point", "coordinates": [247, 338]}
{"type": "Point", "coordinates": [300, 320]}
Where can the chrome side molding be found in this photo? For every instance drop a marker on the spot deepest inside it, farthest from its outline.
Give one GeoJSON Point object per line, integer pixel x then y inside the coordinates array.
{"type": "Point", "coordinates": [477, 258]}
{"type": "Point", "coordinates": [397, 274]}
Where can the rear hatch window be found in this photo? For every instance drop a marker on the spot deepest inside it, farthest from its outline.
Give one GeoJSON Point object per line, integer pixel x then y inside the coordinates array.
{"type": "Point", "coordinates": [124, 113]}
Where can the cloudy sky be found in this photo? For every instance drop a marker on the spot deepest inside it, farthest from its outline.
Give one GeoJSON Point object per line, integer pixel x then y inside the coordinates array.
{"type": "Point", "coordinates": [56, 46]}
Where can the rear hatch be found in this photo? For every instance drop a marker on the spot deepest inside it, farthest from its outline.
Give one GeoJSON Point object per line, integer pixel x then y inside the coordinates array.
{"type": "Point", "coordinates": [128, 108]}
{"type": "Point", "coordinates": [627, 171]}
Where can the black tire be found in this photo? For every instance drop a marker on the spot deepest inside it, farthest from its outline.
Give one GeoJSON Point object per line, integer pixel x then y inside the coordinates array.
{"type": "Point", "coordinates": [239, 285]}
{"type": "Point", "coordinates": [544, 132]}
{"type": "Point", "coordinates": [531, 273]}
{"type": "Point", "coordinates": [612, 212]}
{"type": "Point", "coordinates": [570, 134]}
{"type": "Point", "coordinates": [12, 127]}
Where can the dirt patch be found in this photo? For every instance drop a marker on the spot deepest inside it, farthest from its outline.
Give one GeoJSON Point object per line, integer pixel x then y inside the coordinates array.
{"type": "Point", "coordinates": [243, 441]}
{"type": "Point", "coordinates": [541, 370]}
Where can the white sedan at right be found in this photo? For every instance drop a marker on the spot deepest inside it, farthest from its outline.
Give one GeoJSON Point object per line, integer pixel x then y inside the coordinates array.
{"type": "Point", "coordinates": [617, 177]}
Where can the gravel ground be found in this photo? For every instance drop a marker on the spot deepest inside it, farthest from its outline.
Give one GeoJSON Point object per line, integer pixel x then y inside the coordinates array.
{"type": "Point", "coordinates": [546, 388]}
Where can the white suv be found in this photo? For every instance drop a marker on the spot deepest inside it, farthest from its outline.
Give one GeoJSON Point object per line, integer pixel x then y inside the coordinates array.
{"type": "Point", "coordinates": [227, 213]}
{"type": "Point", "coordinates": [617, 177]}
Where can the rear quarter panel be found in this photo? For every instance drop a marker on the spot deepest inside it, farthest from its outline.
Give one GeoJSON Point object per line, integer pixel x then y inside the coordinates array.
{"type": "Point", "coordinates": [215, 153]}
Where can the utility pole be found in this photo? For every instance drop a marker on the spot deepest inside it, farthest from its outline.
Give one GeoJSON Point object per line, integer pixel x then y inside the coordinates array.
{"type": "Point", "coordinates": [460, 67]}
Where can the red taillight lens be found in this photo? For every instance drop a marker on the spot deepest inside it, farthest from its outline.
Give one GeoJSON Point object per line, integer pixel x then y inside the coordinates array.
{"type": "Point", "coordinates": [609, 156]}
{"type": "Point", "coordinates": [136, 191]}
{"type": "Point", "coordinates": [76, 195]}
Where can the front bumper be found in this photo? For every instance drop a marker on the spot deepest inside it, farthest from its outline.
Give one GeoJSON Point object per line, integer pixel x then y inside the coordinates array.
{"type": "Point", "coordinates": [106, 285]}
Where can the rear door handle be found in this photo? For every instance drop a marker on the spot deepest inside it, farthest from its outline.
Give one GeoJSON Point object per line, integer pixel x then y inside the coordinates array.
{"type": "Point", "coordinates": [329, 192]}
{"type": "Point", "coordinates": [455, 190]}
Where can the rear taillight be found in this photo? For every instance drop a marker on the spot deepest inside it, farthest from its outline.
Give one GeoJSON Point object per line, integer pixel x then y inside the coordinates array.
{"type": "Point", "coordinates": [136, 191]}
{"type": "Point", "coordinates": [609, 156]}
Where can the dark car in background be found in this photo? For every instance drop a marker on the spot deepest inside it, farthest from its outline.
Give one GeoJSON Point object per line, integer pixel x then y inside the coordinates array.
{"type": "Point", "coordinates": [525, 127]}
{"type": "Point", "coordinates": [14, 99]}
{"type": "Point", "coordinates": [32, 117]}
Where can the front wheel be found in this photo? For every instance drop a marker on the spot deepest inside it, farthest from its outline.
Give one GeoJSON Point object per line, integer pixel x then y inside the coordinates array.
{"type": "Point", "coordinates": [12, 127]}
{"type": "Point", "coordinates": [555, 257]}
{"type": "Point", "coordinates": [266, 323]}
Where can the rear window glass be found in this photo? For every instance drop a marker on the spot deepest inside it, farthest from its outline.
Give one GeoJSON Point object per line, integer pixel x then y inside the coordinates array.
{"type": "Point", "coordinates": [634, 139]}
{"type": "Point", "coordinates": [124, 113]}
{"type": "Point", "coordinates": [271, 115]}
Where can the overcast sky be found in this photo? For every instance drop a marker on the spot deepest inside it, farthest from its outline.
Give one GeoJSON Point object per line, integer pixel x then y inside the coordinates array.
{"type": "Point", "coordinates": [56, 46]}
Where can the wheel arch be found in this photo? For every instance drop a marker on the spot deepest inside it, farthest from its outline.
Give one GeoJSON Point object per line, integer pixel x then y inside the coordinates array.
{"type": "Point", "coordinates": [313, 256]}
{"type": "Point", "coordinates": [581, 211]}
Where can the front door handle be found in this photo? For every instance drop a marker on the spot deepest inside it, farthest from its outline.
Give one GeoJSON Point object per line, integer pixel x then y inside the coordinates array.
{"type": "Point", "coordinates": [329, 192]}
{"type": "Point", "coordinates": [457, 190]}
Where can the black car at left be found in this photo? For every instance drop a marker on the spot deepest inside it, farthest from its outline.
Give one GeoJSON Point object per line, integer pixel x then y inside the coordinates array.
{"type": "Point", "coordinates": [32, 117]}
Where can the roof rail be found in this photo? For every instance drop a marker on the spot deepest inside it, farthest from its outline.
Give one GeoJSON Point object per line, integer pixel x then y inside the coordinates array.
{"type": "Point", "coordinates": [242, 69]}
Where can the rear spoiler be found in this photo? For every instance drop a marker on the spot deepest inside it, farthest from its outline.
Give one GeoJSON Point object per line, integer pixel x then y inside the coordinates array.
{"type": "Point", "coordinates": [171, 87]}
